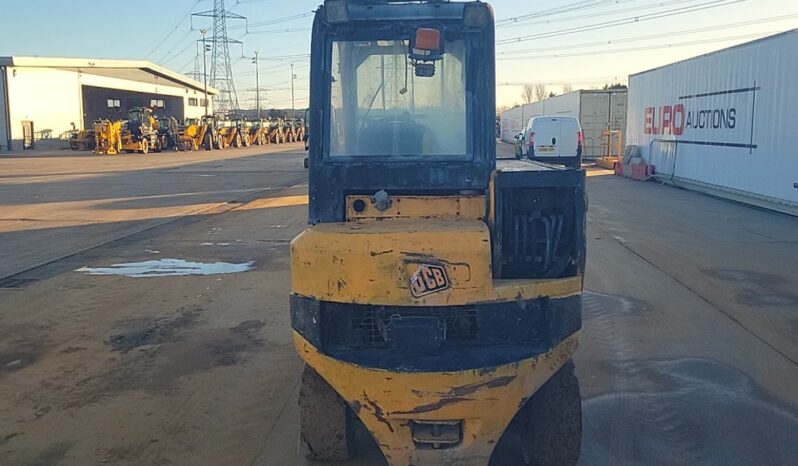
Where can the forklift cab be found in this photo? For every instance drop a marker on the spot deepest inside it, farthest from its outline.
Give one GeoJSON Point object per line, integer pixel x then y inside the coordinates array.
{"type": "Point", "coordinates": [141, 121]}
{"type": "Point", "coordinates": [399, 104]}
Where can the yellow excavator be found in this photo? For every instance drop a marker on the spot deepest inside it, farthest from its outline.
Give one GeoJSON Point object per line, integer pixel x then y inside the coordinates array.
{"type": "Point", "coordinates": [437, 293]}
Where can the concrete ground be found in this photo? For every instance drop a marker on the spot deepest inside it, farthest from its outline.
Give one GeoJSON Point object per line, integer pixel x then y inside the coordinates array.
{"type": "Point", "coordinates": [688, 351]}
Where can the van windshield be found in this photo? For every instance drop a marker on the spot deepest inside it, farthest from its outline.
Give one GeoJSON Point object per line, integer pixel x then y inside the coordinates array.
{"type": "Point", "coordinates": [380, 108]}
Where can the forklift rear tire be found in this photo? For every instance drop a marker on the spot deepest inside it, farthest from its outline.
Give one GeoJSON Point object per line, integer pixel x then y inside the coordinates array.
{"type": "Point", "coordinates": [325, 421]}
{"type": "Point", "coordinates": [553, 421]}
{"type": "Point", "coordinates": [145, 147]}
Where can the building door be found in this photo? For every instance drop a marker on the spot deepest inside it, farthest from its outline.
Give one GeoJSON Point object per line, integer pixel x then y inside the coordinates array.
{"type": "Point", "coordinates": [27, 134]}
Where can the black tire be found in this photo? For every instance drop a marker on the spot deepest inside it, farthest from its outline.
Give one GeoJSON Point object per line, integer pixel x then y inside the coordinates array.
{"type": "Point", "coordinates": [552, 421]}
{"type": "Point", "coordinates": [325, 421]}
{"type": "Point", "coordinates": [145, 146]}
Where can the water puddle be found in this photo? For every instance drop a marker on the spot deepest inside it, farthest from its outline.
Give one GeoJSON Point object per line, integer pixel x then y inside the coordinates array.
{"type": "Point", "coordinates": [686, 412]}
{"type": "Point", "coordinates": [168, 268]}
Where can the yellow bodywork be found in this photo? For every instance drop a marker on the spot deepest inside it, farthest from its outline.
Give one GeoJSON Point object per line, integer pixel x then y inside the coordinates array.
{"type": "Point", "coordinates": [485, 401]}
{"type": "Point", "coordinates": [108, 137]}
{"type": "Point", "coordinates": [372, 263]}
{"type": "Point", "coordinates": [371, 260]}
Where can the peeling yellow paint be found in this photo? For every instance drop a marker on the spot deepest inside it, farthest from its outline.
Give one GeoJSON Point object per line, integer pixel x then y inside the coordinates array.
{"type": "Point", "coordinates": [485, 400]}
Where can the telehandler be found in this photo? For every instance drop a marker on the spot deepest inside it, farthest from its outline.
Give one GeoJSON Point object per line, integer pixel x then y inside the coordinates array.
{"type": "Point", "coordinates": [436, 294]}
{"type": "Point", "coordinates": [140, 133]}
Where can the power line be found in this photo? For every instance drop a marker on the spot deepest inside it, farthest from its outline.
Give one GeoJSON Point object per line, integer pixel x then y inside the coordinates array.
{"type": "Point", "coordinates": [280, 31]}
{"type": "Point", "coordinates": [176, 45]}
{"type": "Point", "coordinates": [276, 20]}
{"type": "Point", "coordinates": [650, 6]}
{"type": "Point", "coordinates": [644, 47]}
{"type": "Point", "coordinates": [581, 5]}
{"type": "Point", "coordinates": [654, 36]}
{"type": "Point", "coordinates": [171, 31]}
{"type": "Point", "coordinates": [617, 22]}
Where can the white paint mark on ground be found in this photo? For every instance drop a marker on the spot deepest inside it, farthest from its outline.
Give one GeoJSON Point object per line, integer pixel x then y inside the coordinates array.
{"type": "Point", "coordinates": [167, 268]}
{"type": "Point", "coordinates": [151, 251]}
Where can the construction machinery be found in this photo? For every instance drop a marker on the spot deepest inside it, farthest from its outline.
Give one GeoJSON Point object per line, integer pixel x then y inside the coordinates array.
{"type": "Point", "coordinates": [234, 132]}
{"type": "Point", "coordinates": [204, 133]}
{"type": "Point", "coordinates": [276, 131]}
{"type": "Point", "coordinates": [82, 139]}
{"type": "Point", "coordinates": [436, 294]}
{"type": "Point", "coordinates": [173, 136]}
{"type": "Point", "coordinates": [108, 137]}
{"type": "Point", "coordinates": [140, 133]}
{"type": "Point", "coordinates": [258, 131]}
{"type": "Point", "coordinates": [243, 134]}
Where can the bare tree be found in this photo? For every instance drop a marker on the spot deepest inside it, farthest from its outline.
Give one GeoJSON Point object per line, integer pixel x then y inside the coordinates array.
{"type": "Point", "coordinates": [540, 92]}
{"type": "Point", "coordinates": [528, 94]}
{"type": "Point", "coordinates": [566, 88]}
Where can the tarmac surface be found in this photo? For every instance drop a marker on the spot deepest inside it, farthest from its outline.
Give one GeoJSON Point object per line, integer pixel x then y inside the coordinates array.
{"type": "Point", "coordinates": [144, 316]}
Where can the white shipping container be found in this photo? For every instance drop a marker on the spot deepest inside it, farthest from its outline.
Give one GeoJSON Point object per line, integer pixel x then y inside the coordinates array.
{"type": "Point", "coordinates": [597, 111]}
{"type": "Point", "coordinates": [723, 122]}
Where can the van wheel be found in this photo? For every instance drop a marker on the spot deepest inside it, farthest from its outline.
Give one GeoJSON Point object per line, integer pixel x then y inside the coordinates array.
{"type": "Point", "coordinates": [552, 421]}
{"type": "Point", "coordinates": [325, 421]}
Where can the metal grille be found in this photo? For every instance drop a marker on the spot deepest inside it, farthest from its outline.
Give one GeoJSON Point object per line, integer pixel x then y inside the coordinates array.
{"type": "Point", "coordinates": [461, 324]}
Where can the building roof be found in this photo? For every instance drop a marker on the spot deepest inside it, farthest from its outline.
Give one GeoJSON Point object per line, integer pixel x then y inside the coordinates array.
{"type": "Point", "coordinates": [137, 70]}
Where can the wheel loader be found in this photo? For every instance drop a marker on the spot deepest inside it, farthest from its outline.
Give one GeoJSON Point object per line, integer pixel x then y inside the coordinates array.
{"type": "Point", "coordinates": [436, 293]}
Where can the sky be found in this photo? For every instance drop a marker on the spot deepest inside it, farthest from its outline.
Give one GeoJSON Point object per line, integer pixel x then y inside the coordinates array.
{"type": "Point", "coordinates": [583, 44]}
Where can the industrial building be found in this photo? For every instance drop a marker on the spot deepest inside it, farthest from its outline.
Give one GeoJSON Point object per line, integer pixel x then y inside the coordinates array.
{"type": "Point", "coordinates": [597, 110]}
{"type": "Point", "coordinates": [723, 122]}
{"type": "Point", "coordinates": [41, 99]}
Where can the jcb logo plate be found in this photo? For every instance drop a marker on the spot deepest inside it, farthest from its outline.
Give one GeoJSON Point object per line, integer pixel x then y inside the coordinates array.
{"type": "Point", "coordinates": [428, 279]}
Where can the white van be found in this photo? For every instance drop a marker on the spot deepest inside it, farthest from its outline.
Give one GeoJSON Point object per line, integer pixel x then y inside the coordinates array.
{"type": "Point", "coordinates": [554, 139]}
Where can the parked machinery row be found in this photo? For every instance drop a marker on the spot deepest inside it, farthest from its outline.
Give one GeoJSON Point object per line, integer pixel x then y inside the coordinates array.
{"type": "Point", "coordinates": [143, 132]}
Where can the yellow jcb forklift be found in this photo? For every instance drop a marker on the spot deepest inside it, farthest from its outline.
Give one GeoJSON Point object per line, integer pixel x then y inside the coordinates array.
{"type": "Point", "coordinates": [436, 294]}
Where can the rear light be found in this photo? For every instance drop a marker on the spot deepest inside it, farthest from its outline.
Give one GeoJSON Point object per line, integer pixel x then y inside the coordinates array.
{"type": "Point", "coordinates": [579, 138]}
{"type": "Point", "coordinates": [530, 141]}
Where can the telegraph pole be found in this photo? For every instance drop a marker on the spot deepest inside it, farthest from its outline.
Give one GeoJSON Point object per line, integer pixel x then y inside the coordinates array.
{"type": "Point", "coordinates": [204, 68]}
{"type": "Point", "coordinates": [293, 110]}
{"type": "Point", "coordinates": [257, 84]}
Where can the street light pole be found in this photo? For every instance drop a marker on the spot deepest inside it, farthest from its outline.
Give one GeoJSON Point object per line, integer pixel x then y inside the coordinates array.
{"type": "Point", "coordinates": [293, 109]}
{"type": "Point", "coordinates": [257, 84]}
{"type": "Point", "coordinates": [204, 69]}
